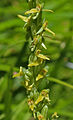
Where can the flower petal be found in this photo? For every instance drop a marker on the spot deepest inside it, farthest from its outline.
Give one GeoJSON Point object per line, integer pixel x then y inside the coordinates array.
{"type": "Point", "coordinates": [26, 83]}
{"type": "Point", "coordinates": [34, 10]}
{"type": "Point", "coordinates": [43, 57]}
{"type": "Point", "coordinates": [46, 10]}
{"type": "Point", "coordinates": [19, 74]}
{"type": "Point", "coordinates": [48, 30]}
{"type": "Point", "coordinates": [25, 19]}
{"type": "Point", "coordinates": [40, 98]}
{"type": "Point", "coordinates": [16, 75]}
{"type": "Point", "coordinates": [39, 77]}
{"type": "Point", "coordinates": [30, 87]}
{"type": "Point", "coordinates": [33, 64]}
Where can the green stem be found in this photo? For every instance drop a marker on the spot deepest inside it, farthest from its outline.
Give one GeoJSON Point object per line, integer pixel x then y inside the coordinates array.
{"type": "Point", "coordinates": [32, 4]}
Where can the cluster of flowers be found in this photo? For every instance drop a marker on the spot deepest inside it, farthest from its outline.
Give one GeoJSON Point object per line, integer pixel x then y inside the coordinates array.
{"type": "Point", "coordinates": [38, 101]}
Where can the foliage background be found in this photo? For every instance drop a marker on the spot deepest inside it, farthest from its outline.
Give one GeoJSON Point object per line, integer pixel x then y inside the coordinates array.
{"type": "Point", "coordinates": [14, 52]}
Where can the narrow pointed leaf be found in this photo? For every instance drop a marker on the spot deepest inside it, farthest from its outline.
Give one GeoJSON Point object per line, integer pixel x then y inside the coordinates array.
{"type": "Point", "coordinates": [60, 82]}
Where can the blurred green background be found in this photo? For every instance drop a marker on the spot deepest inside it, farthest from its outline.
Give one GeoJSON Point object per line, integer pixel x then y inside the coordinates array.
{"type": "Point", "coordinates": [14, 53]}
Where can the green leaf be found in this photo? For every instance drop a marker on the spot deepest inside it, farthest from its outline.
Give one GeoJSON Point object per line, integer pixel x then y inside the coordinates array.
{"type": "Point", "coordinates": [60, 82]}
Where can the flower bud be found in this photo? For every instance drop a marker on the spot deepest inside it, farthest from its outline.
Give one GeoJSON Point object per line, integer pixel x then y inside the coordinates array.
{"type": "Point", "coordinates": [44, 111]}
